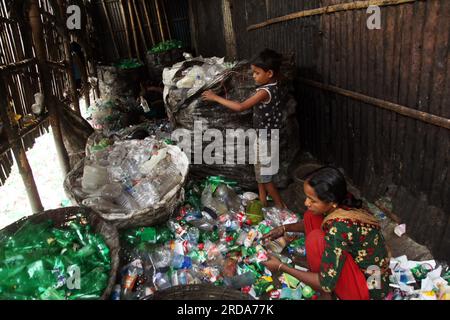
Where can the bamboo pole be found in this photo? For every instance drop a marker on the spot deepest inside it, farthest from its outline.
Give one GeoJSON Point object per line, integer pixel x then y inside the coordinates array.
{"type": "Point", "coordinates": [193, 26]}
{"type": "Point", "coordinates": [230, 36]}
{"type": "Point", "coordinates": [167, 20]}
{"type": "Point", "coordinates": [49, 99]}
{"type": "Point", "coordinates": [108, 21]}
{"type": "Point", "coordinates": [133, 29]}
{"type": "Point", "coordinates": [405, 111]}
{"type": "Point", "coordinates": [19, 153]}
{"type": "Point", "coordinates": [158, 13]}
{"type": "Point", "coordinates": [57, 65]}
{"type": "Point", "coordinates": [141, 30]}
{"type": "Point", "coordinates": [7, 20]}
{"type": "Point", "coordinates": [23, 133]}
{"type": "Point", "coordinates": [127, 35]}
{"type": "Point", "coordinates": [148, 22]}
{"type": "Point", "coordinates": [72, 83]}
{"type": "Point", "coordinates": [329, 9]}
{"type": "Point", "coordinates": [17, 66]}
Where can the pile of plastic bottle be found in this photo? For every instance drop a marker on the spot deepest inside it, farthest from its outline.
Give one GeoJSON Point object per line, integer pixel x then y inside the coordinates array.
{"type": "Point", "coordinates": [126, 176]}
{"type": "Point", "coordinates": [193, 77]}
{"type": "Point", "coordinates": [217, 239]}
{"type": "Point", "coordinates": [44, 261]}
{"type": "Point", "coordinates": [419, 280]}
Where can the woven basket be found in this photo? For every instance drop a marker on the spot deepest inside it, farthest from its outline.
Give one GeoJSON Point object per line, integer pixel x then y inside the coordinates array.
{"type": "Point", "coordinates": [160, 213]}
{"type": "Point", "coordinates": [199, 292]}
{"type": "Point", "coordinates": [62, 215]}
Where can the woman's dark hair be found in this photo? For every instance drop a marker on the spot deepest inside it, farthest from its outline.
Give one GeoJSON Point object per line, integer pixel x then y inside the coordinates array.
{"type": "Point", "coordinates": [268, 60]}
{"type": "Point", "coordinates": [330, 186]}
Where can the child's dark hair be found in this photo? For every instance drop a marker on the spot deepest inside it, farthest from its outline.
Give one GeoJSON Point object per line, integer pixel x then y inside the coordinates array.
{"type": "Point", "coordinates": [330, 186]}
{"type": "Point", "coordinates": [268, 60]}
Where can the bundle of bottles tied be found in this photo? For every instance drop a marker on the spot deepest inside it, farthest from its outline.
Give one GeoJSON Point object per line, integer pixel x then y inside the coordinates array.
{"type": "Point", "coordinates": [216, 238]}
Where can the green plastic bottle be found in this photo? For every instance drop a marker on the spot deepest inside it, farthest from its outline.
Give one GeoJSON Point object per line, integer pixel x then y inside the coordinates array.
{"type": "Point", "coordinates": [254, 212]}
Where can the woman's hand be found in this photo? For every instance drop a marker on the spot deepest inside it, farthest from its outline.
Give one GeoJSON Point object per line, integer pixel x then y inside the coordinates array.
{"type": "Point", "coordinates": [209, 95]}
{"type": "Point", "coordinates": [273, 264]}
{"type": "Point", "coordinates": [274, 233]}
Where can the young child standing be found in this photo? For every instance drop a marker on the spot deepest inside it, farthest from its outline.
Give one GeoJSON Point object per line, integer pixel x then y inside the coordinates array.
{"type": "Point", "coordinates": [266, 104]}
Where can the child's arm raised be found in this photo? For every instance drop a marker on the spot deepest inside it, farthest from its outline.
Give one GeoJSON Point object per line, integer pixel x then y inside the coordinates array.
{"type": "Point", "coordinates": [258, 97]}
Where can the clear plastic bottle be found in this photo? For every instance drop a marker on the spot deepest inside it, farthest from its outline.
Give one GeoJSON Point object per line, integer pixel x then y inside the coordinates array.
{"type": "Point", "coordinates": [193, 235]}
{"type": "Point", "coordinates": [94, 176]}
{"type": "Point", "coordinates": [147, 167]}
{"type": "Point", "coordinates": [145, 194]}
{"type": "Point", "coordinates": [109, 191]}
{"type": "Point", "coordinates": [101, 204]}
{"type": "Point", "coordinates": [125, 200]}
{"type": "Point", "coordinates": [227, 196]}
{"type": "Point", "coordinates": [162, 281]}
{"type": "Point", "coordinates": [161, 258]}
{"type": "Point", "coordinates": [167, 181]}
{"type": "Point", "coordinates": [210, 202]}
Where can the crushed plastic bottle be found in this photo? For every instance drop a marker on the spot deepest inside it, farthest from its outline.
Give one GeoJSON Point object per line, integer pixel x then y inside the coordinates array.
{"type": "Point", "coordinates": [94, 177]}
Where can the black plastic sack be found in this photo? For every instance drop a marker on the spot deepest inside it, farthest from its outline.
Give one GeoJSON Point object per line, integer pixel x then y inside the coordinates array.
{"type": "Point", "coordinates": [234, 84]}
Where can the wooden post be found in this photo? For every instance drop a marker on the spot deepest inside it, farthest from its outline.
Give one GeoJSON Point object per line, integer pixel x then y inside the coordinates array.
{"type": "Point", "coordinates": [230, 37]}
{"type": "Point", "coordinates": [72, 83]}
{"type": "Point", "coordinates": [141, 30]}
{"type": "Point", "coordinates": [127, 35]}
{"type": "Point", "coordinates": [19, 153]}
{"type": "Point", "coordinates": [108, 21]}
{"type": "Point", "coordinates": [193, 26]}
{"type": "Point", "coordinates": [167, 20]}
{"type": "Point", "coordinates": [159, 21]}
{"type": "Point", "coordinates": [133, 29]}
{"type": "Point", "coordinates": [49, 99]}
{"type": "Point", "coordinates": [148, 22]}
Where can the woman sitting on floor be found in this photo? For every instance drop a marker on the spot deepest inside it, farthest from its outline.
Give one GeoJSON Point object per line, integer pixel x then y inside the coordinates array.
{"type": "Point", "coordinates": [345, 248]}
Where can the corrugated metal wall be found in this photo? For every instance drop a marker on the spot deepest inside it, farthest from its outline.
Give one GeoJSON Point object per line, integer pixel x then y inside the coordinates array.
{"type": "Point", "coordinates": [405, 62]}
